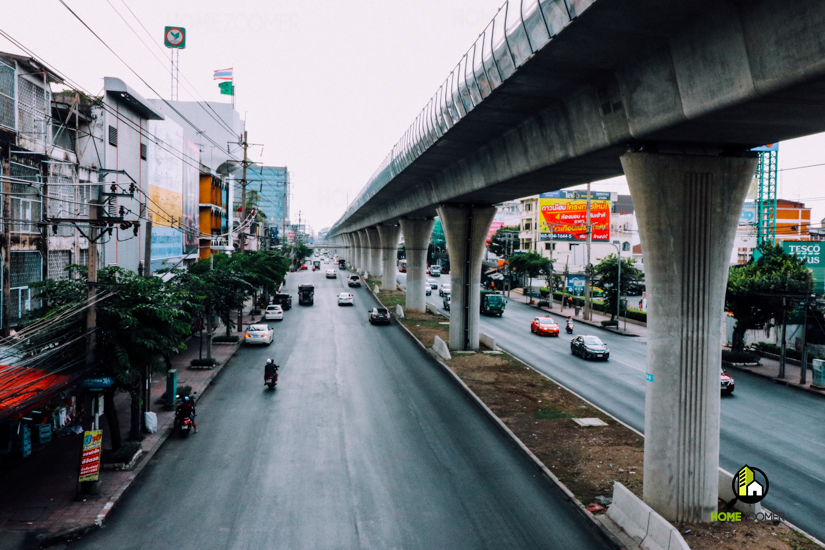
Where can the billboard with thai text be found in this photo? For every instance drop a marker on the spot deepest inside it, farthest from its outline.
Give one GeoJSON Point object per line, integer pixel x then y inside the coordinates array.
{"type": "Point", "coordinates": [564, 215]}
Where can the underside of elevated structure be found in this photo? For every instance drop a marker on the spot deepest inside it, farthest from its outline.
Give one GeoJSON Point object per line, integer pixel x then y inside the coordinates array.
{"type": "Point", "coordinates": [681, 76]}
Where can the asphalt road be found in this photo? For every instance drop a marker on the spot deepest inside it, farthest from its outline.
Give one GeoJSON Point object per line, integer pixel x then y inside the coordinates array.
{"type": "Point", "coordinates": [364, 444]}
{"type": "Point", "coordinates": [778, 429]}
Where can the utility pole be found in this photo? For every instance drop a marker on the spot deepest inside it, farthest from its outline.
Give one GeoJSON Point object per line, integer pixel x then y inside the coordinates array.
{"type": "Point", "coordinates": [147, 374]}
{"type": "Point", "coordinates": [91, 312]}
{"type": "Point", "coordinates": [587, 266]}
{"type": "Point", "coordinates": [803, 379]}
{"type": "Point", "coordinates": [241, 231]}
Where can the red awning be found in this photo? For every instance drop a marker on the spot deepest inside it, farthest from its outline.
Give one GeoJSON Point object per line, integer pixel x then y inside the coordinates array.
{"type": "Point", "coordinates": [22, 387]}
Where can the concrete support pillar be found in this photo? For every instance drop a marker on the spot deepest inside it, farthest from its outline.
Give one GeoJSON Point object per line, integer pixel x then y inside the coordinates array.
{"type": "Point", "coordinates": [374, 252]}
{"type": "Point", "coordinates": [688, 209]}
{"type": "Point", "coordinates": [363, 250]}
{"type": "Point", "coordinates": [416, 240]}
{"type": "Point", "coordinates": [352, 259]}
{"type": "Point", "coordinates": [389, 254]}
{"type": "Point", "coordinates": [465, 228]}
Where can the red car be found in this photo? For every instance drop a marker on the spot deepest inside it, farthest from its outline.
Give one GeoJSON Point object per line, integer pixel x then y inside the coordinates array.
{"type": "Point", "coordinates": [544, 325]}
{"type": "Point", "coordinates": [727, 383]}
{"type": "Point", "coordinates": [304, 266]}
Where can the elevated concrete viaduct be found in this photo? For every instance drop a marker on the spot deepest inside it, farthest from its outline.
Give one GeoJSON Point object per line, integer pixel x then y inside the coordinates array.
{"type": "Point", "coordinates": [672, 94]}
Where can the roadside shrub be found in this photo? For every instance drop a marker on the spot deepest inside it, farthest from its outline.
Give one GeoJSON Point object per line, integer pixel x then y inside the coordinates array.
{"type": "Point", "coordinates": [230, 339]}
{"type": "Point", "coordinates": [123, 455]}
{"type": "Point", "coordinates": [740, 356]}
{"type": "Point", "coordinates": [610, 323]}
{"type": "Point", "coordinates": [204, 362]}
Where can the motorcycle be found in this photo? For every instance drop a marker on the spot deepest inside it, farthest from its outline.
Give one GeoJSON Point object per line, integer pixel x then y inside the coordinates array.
{"type": "Point", "coordinates": [186, 424]}
{"type": "Point", "coordinates": [569, 328]}
{"type": "Point", "coordinates": [271, 376]}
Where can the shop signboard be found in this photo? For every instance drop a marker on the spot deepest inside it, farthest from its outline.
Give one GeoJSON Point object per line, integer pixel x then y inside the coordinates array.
{"type": "Point", "coordinates": [165, 174]}
{"type": "Point", "coordinates": [495, 226]}
{"type": "Point", "coordinates": [564, 216]}
{"type": "Point", "coordinates": [98, 384]}
{"type": "Point", "coordinates": [90, 458]}
{"type": "Point", "coordinates": [812, 252]}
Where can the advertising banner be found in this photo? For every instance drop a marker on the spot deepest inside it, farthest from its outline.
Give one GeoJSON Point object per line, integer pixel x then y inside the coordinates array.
{"type": "Point", "coordinates": [90, 459]}
{"type": "Point", "coordinates": [566, 213]}
{"type": "Point", "coordinates": [190, 198]}
{"type": "Point", "coordinates": [748, 214]}
{"type": "Point", "coordinates": [165, 166]}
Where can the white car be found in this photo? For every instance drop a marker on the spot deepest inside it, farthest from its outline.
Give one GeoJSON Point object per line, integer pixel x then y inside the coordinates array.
{"type": "Point", "coordinates": [258, 334]}
{"type": "Point", "coordinates": [345, 299]}
{"type": "Point", "coordinates": [433, 284]}
{"type": "Point", "coordinates": [435, 270]}
{"type": "Point", "coordinates": [274, 312]}
{"type": "Point", "coordinates": [444, 289]}
{"type": "Point", "coordinates": [331, 274]}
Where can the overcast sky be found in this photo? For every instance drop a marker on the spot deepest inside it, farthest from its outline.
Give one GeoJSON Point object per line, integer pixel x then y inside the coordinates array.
{"type": "Point", "coordinates": [328, 87]}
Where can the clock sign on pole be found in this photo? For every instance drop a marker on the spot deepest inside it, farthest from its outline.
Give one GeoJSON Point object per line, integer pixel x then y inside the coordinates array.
{"type": "Point", "coordinates": [174, 38]}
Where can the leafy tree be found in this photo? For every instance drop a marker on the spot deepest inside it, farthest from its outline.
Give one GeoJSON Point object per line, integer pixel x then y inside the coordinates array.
{"type": "Point", "coordinates": [756, 289]}
{"type": "Point", "coordinates": [531, 265]}
{"type": "Point", "coordinates": [498, 243]}
{"type": "Point", "coordinates": [143, 320]}
{"type": "Point", "coordinates": [605, 276]}
{"type": "Point", "coordinates": [226, 285]}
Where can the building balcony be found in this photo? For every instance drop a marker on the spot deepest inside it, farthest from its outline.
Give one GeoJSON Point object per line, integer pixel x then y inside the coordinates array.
{"type": "Point", "coordinates": [217, 210]}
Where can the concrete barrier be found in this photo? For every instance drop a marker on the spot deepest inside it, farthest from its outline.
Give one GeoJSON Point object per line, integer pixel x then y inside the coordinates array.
{"type": "Point", "coordinates": [726, 493]}
{"type": "Point", "coordinates": [431, 309]}
{"type": "Point", "coordinates": [377, 289]}
{"type": "Point", "coordinates": [441, 348]}
{"type": "Point", "coordinates": [650, 530]}
{"type": "Point", "coordinates": [487, 340]}
{"type": "Point", "coordinates": [399, 311]}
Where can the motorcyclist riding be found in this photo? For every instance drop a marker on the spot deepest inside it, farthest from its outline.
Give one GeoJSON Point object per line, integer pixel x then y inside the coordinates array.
{"type": "Point", "coordinates": [569, 324]}
{"type": "Point", "coordinates": [186, 408]}
{"type": "Point", "coordinates": [270, 370]}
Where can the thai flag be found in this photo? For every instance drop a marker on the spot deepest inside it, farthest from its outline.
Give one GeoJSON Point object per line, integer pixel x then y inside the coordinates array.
{"type": "Point", "coordinates": [222, 74]}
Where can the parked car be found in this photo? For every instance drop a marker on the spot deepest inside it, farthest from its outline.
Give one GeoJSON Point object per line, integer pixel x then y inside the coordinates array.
{"type": "Point", "coordinates": [345, 299]}
{"type": "Point", "coordinates": [446, 288]}
{"type": "Point", "coordinates": [379, 315]}
{"type": "Point", "coordinates": [258, 334]}
{"type": "Point", "coordinates": [435, 270]}
{"type": "Point", "coordinates": [331, 274]}
{"type": "Point", "coordinates": [589, 347]}
{"type": "Point", "coordinates": [432, 283]}
{"type": "Point", "coordinates": [544, 326]}
{"type": "Point", "coordinates": [274, 312]}
{"type": "Point", "coordinates": [355, 280]}
{"type": "Point", "coordinates": [446, 302]}
{"type": "Point", "coordinates": [727, 382]}
{"type": "Point", "coordinates": [304, 266]}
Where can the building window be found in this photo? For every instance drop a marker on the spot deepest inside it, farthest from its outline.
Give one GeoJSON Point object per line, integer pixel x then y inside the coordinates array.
{"type": "Point", "coordinates": [25, 199]}
{"type": "Point", "coordinates": [7, 97]}
{"type": "Point", "coordinates": [59, 260]}
{"type": "Point", "coordinates": [112, 136]}
{"type": "Point", "coordinates": [528, 207]}
{"type": "Point", "coordinates": [26, 268]}
{"type": "Point", "coordinates": [549, 246]}
{"type": "Point", "coordinates": [143, 151]}
{"type": "Point", "coordinates": [625, 246]}
{"type": "Point", "coordinates": [31, 108]}
{"type": "Point", "coordinates": [527, 226]}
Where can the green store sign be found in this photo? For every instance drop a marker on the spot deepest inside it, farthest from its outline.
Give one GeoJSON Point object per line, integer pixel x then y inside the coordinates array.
{"type": "Point", "coordinates": [812, 252]}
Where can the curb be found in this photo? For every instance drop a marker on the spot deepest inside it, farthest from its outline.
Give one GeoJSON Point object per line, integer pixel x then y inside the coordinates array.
{"type": "Point", "coordinates": [580, 508]}
{"type": "Point", "coordinates": [145, 457]}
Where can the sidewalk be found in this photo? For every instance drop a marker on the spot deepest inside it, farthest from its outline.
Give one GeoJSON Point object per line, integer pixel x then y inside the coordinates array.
{"type": "Point", "coordinates": [769, 368]}
{"type": "Point", "coordinates": [37, 497]}
{"type": "Point", "coordinates": [625, 329]}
